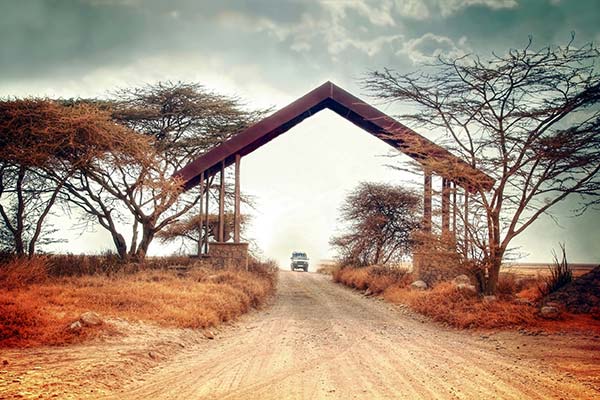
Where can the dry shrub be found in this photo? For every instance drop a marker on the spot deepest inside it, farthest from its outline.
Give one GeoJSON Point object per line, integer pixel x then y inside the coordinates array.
{"type": "Point", "coordinates": [353, 277]}
{"type": "Point", "coordinates": [40, 312]}
{"type": "Point", "coordinates": [526, 287]}
{"type": "Point", "coordinates": [560, 274]}
{"type": "Point", "coordinates": [25, 321]}
{"type": "Point", "coordinates": [375, 278]}
{"type": "Point", "coordinates": [328, 269]}
{"type": "Point", "coordinates": [445, 303]}
{"type": "Point", "coordinates": [108, 263]}
{"type": "Point", "coordinates": [19, 272]}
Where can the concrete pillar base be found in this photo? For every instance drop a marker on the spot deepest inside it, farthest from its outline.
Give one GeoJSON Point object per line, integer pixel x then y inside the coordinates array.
{"type": "Point", "coordinates": [228, 255]}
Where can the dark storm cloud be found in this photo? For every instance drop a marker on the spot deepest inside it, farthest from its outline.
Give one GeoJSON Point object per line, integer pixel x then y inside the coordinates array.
{"type": "Point", "coordinates": [49, 37]}
{"type": "Point", "coordinates": [547, 21]}
{"type": "Point", "coordinates": [46, 37]}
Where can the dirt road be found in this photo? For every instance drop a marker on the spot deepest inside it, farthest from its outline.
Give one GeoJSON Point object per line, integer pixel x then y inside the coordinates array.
{"type": "Point", "coordinates": [322, 341]}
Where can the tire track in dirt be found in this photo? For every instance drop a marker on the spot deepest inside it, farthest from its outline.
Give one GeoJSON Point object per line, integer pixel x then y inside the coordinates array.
{"type": "Point", "coordinates": [321, 340]}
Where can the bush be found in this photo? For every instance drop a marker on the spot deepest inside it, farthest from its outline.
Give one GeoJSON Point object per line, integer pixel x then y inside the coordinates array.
{"type": "Point", "coordinates": [375, 278]}
{"type": "Point", "coordinates": [445, 303]}
{"type": "Point", "coordinates": [39, 312]}
{"type": "Point", "coordinates": [560, 274]}
{"type": "Point", "coordinates": [18, 272]}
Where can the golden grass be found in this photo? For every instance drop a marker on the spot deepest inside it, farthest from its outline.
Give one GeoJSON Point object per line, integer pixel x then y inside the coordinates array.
{"type": "Point", "coordinates": [375, 278]}
{"type": "Point", "coordinates": [39, 313]}
{"type": "Point", "coordinates": [445, 303]}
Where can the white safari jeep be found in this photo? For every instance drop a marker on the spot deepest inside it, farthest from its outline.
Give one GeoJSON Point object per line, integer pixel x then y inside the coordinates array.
{"type": "Point", "coordinates": [299, 261]}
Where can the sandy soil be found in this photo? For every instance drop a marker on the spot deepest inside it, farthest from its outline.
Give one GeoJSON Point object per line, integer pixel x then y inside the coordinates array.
{"type": "Point", "coordinates": [317, 340]}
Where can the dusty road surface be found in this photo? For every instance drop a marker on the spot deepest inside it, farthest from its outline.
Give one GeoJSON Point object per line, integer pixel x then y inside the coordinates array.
{"type": "Point", "coordinates": [322, 341]}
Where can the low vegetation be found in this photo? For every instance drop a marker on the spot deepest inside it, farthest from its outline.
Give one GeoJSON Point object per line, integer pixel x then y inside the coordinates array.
{"type": "Point", "coordinates": [376, 279]}
{"type": "Point", "coordinates": [560, 274]}
{"type": "Point", "coordinates": [37, 308]}
{"type": "Point", "coordinates": [446, 303]}
{"type": "Point", "coordinates": [515, 304]}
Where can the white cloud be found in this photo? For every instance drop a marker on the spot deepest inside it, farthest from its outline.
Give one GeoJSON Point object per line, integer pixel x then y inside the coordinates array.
{"type": "Point", "coordinates": [449, 7]}
{"type": "Point", "coordinates": [329, 29]}
{"type": "Point", "coordinates": [377, 12]}
{"type": "Point", "coordinates": [416, 9]}
{"type": "Point", "coordinates": [430, 46]}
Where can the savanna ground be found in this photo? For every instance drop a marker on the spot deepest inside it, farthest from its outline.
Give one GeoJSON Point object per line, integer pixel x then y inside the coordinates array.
{"type": "Point", "coordinates": [316, 340]}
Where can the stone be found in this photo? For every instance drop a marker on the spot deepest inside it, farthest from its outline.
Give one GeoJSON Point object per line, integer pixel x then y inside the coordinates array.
{"type": "Point", "coordinates": [75, 326]}
{"type": "Point", "coordinates": [368, 292]}
{"type": "Point", "coordinates": [462, 279]}
{"type": "Point", "coordinates": [467, 288]}
{"type": "Point", "coordinates": [549, 312]}
{"type": "Point", "coordinates": [419, 285]}
{"type": "Point", "coordinates": [489, 299]}
{"type": "Point", "coordinates": [90, 318]}
{"type": "Point", "coordinates": [525, 302]}
{"type": "Point", "coordinates": [208, 334]}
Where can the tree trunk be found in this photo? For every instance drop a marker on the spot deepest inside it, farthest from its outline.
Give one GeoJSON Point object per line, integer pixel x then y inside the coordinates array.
{"type": "Point", "coordinates": [121, 245]}
{"type": "Point", "coordinates": [19, 232]}
{"type": "Point", "coordinates": [493, 272]}
{"type": "Point", "coordinates": [148, 232]}
{"type": "Point", "coordinates": [496, 253]}
{"type": "Point", "coordinates": [134, 237]}
{"type": "Point", "coordinates": [19, 244]}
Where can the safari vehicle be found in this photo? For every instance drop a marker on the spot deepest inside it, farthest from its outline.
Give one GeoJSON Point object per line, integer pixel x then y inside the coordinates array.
{"type": "Point", "coordinates": [299, 261]}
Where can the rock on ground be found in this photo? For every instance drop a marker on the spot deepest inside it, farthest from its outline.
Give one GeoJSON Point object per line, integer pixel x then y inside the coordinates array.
{"type": "Point", "coordinates": [467, 288]}
{"type": "Point", "coordinates": [580, 296]}
{"type": "Point", "coordinates": [90, 318]}
{"type": "Point", "coordinates": [549, 312]}
{"type": "Point", "coordinates": [420, 285]}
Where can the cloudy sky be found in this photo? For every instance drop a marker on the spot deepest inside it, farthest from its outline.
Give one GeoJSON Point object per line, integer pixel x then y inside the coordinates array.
{"type": "Point", "coordinates": [269, 53]}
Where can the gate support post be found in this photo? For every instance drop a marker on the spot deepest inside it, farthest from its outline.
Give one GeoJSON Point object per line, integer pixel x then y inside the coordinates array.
{"type": "Point", "coordinates": [427, 201]}
{"type": "Point", "coordinates": [445, 206]}
{"type": "Point", "coordinates": [201, 214]}
{"type": "Point", "coordinates": [454, 208]}
{"type": "Point", "coordinates": [466, 223]}
{"type": "Point", "coordinates": [236, 212]}
{"type": "Point", "coordinates": [222, 204]}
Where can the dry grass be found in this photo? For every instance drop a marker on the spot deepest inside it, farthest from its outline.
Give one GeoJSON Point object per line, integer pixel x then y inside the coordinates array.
{"type": "Point", "coordinates": [445, 303]}
{"type": "Point", "coordinates": [39, 311]}
{"type": "Point", "coordinates": [375, 278]}
{"type": "Point", "coordinates": [327, 269]}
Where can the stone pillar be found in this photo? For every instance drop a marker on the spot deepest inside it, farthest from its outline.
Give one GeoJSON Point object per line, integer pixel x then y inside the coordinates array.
{"type": "Point", "coordinates": [228, 255]}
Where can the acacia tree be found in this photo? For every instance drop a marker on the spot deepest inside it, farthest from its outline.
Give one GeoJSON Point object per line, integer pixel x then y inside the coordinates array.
{"type": "Point", "coordinates": [42, 144]}
{"type": "Point", "coordinates": [382, 218]}
{"type": "Point", "coordinates": [182, 120]}
{"type": "Point", "coordinates": [529, 118]}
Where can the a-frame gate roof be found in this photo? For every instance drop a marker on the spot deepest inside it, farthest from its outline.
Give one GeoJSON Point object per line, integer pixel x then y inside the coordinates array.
{"type": "Point", "coordinates": [437, 159]}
